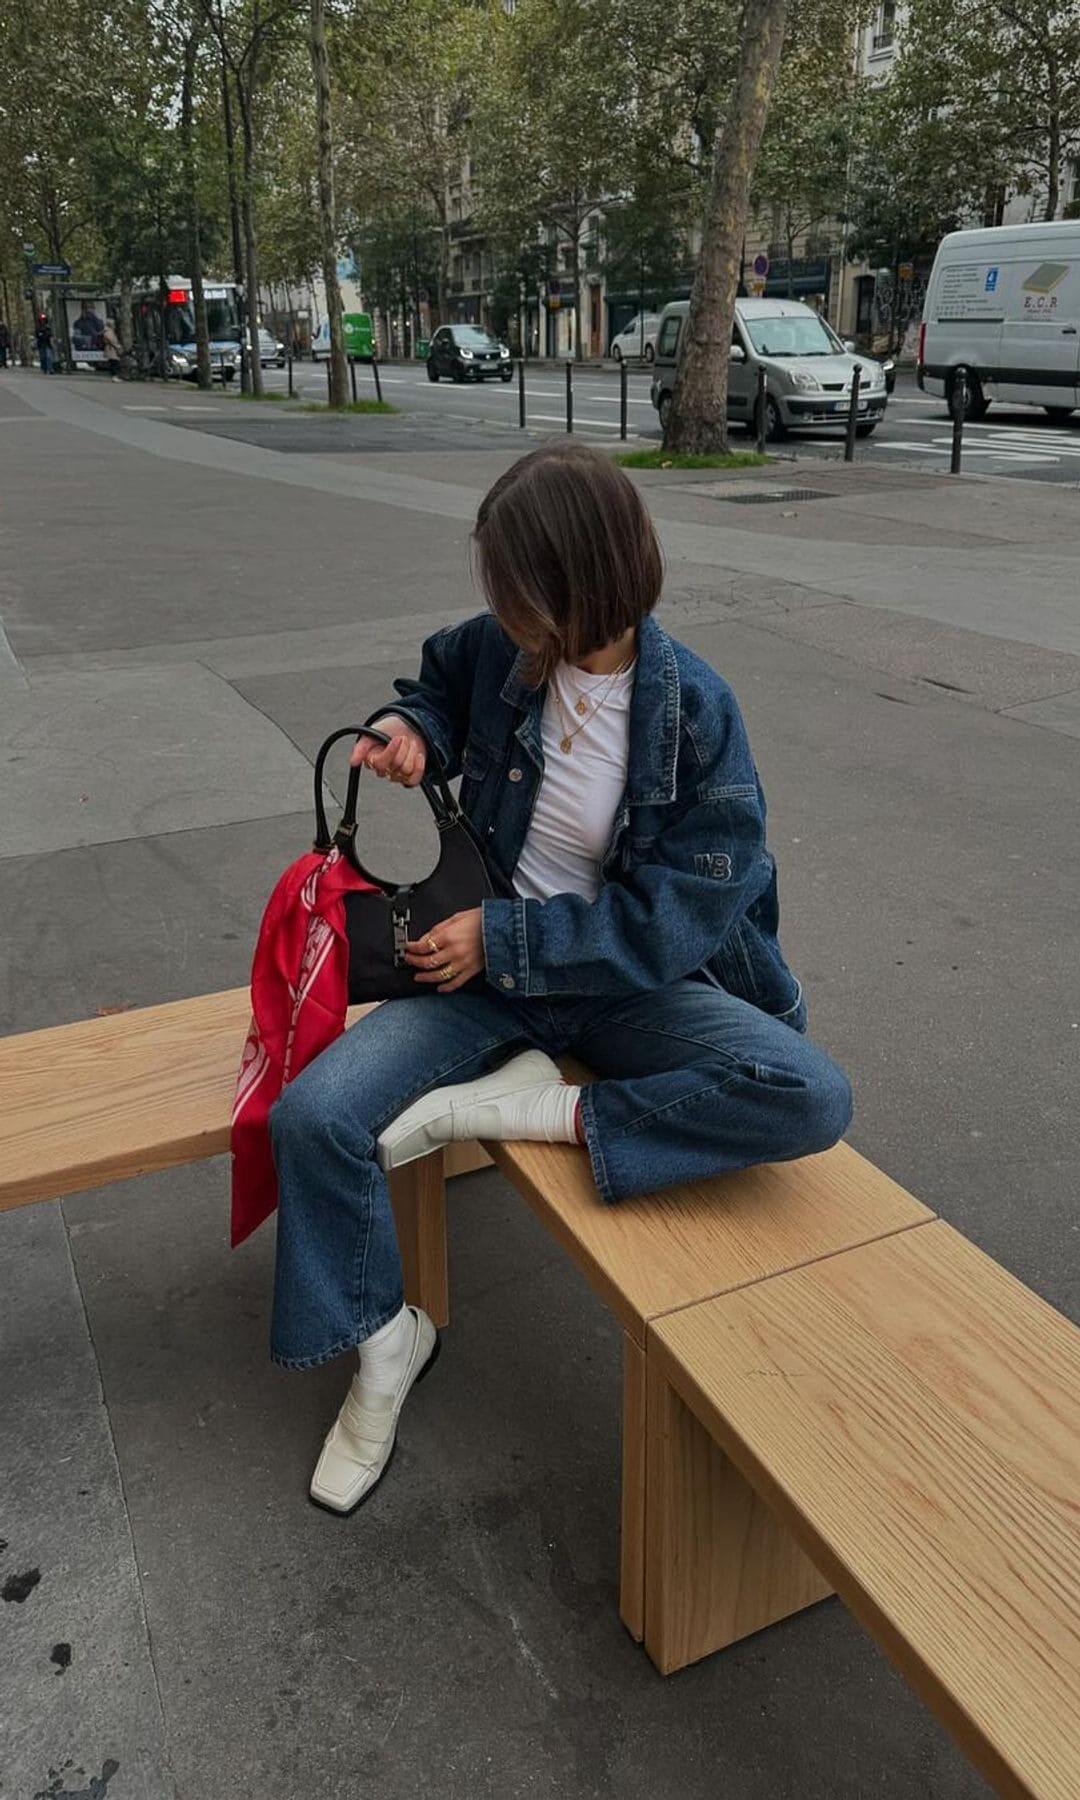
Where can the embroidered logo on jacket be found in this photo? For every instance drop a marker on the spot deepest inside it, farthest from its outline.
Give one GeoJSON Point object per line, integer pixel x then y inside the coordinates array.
{"type": "Point", "coordinates": [714, 865]}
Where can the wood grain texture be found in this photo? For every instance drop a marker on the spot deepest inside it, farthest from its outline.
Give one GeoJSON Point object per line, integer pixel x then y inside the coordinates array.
{"type": "Point", "coordinates": [103, 1099]}
{"type": "Point", "coordinates": [651, 1255]}
{"type": "Point", "coordinates": [632, 1534]}
{"type": "Point", "coordinates": [718, 1564]}
{"type": "Point", "coordinates": [912, 1414]}
{"type": "Point", "coordinates": [418, 1196]}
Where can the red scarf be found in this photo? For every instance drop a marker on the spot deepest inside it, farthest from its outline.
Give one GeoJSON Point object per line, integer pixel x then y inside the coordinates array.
{"type": "Point", "coordinates": [299, 997]}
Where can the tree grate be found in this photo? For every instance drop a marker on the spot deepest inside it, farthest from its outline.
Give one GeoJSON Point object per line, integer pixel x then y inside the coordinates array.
{"type": "Point", "coordinates": [769, 497]}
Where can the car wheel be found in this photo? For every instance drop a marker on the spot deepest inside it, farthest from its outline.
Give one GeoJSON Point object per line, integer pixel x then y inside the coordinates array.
{"type": "Point", "coordinates": [432, 371]}
{"type": "Point", "coordinates": [650, 353]}
{"type": "Point", "coordinates": [775, 429]}
{"type": "Point", "coordinates": [1059, 414]}
{"type": "Point", "coordinates": [977, 403]}
{"type": "Point", "coordinates": [458, 373]}
{"type": "Point", "coordinates": [663, 407]}
{"type": "Point", "coordinates": [867, 428]}
{"type": "Point", "coordinates": [506, 373]}
{"type": "Point", "coordinates": [616, 353]}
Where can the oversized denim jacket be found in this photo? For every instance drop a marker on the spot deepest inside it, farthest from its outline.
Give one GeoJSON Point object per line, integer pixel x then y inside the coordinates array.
{"type": "Point", "coordinates": [688, 885]}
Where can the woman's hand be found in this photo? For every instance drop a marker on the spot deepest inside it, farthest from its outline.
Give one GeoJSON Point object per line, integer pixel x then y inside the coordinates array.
{"type": "Point", "coordinates": [403, 759]}
{"type": "Point", "coordinates": [451, 954]}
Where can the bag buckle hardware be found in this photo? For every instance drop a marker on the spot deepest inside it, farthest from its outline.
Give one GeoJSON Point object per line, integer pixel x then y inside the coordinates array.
{"type": "Point", "coordinates": [401, 935]}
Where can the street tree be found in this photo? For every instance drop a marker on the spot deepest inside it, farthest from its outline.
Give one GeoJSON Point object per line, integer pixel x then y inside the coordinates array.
{"type": "Point", "coordinates": [339, 391]}
{"type": "Point", "coordinates": [698, 419]}
{"type": "Point", "coordinates": [1004, 81]}
{"type": "Point", "coordinates": [551, 131]}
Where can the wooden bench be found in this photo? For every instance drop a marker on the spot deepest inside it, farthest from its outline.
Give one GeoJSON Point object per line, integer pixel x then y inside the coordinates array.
{"type": "Point", "coordinates": [816, 1378]}
{"type": "Point", "coordinates": [909, 1414]}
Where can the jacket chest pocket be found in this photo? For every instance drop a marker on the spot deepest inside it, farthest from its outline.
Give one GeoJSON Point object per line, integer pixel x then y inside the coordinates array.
{"type": "Point", "coordinates": [478, 765]}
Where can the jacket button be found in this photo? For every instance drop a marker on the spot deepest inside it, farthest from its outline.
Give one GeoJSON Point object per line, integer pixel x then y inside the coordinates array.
{"type": "Point", "coordinates": [507, 982]}
{"type": "Point", "coordinates": [514, 775]}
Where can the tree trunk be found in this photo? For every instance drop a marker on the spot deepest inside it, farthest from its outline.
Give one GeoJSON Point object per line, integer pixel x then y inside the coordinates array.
{"type": "Point", "coordinates": [251, 264]}
{"type": "Point", "coordinates": [575, 264]}
{"type": "Point", "coordinates": [339, 379]}
{"type": "Point", "coordinates": [234, 210]}
{"type": "Point", "coordinates": [698, 422]}
{"type": "Point", "coordinates": [126, 333]}
{"type": "Point", "coordinates": [187, 138]}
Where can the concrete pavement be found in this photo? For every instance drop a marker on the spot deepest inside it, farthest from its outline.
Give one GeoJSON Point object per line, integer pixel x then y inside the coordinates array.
{"type": "Point", "coordinates": [187, 614]}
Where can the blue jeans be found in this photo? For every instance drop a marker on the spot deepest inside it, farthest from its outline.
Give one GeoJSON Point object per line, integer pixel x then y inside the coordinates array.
{"type": "Point", "coordinates": [690, 1082]}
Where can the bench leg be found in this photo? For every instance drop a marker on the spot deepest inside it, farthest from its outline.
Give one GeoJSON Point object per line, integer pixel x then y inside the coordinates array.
{"type": "Point", "coordinates": [632, 1538]}
{"type": "Point", "coordinates": [718, 1566]}
{"type": "Point", "coordinates": [418, 1195]}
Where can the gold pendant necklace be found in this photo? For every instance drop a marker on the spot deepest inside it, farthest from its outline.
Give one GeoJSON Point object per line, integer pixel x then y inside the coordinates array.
{"type": "Point", "coordinates": [566, 742]}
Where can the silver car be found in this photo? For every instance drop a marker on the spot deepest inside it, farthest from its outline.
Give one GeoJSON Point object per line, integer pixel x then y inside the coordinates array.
{"type": "Point", "coordinates": [808, 370]}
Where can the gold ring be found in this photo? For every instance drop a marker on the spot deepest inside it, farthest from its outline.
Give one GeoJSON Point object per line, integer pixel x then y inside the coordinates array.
{"type": "Point", "coordinates": [446, 973]}
{"type": "Point", "coordinates": [433, 946]}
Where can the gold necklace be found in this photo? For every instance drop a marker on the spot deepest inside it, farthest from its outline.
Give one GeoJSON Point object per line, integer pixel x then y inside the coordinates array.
{"type": "Point", "coordinates": [566, 742]}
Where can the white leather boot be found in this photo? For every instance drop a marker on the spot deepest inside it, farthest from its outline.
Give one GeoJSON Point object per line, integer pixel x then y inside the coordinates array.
{"type": "Point", "coordinates": [361, 1441]}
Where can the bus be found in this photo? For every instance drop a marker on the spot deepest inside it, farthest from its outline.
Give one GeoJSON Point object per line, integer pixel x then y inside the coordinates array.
{"type": "Point", "coordinates": [222, 318]}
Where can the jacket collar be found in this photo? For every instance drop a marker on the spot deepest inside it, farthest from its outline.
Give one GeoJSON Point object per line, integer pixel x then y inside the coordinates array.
{"type": "Point", "coordinates": [654, 716]}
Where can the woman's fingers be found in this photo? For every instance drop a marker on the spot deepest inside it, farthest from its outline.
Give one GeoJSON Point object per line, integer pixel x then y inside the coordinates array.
{"type": "Point", "coordinates": [403, 759]}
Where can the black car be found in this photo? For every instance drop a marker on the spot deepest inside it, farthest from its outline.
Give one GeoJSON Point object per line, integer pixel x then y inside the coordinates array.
{"type": "Point", "coordinates": [468, 353]}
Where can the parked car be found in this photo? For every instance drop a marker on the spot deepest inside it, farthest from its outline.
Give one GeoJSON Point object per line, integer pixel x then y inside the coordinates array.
{"type": "Point", "coordinates": [358, 333]}
{"type": "Point", "coordinates": [468, 353]}
{"type": "Point", "coordinates": [1002, 312]}
{"type": "Point", "coordinates": [808, 369]}
{"type": "Point", "coordinates": [271, 350]}
{"type": "Point", "coordinates": [638, 339]}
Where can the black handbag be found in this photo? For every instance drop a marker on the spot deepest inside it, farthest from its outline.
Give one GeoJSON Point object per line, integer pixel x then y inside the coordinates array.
{"type": "Point", "coordinates": [380, 924]}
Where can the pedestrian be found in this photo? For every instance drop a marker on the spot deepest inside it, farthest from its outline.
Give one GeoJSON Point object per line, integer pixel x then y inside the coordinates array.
{"type": "Point", "coordinates": [44, 340]}
{"type": "Point", "coordinates": [113, 349]}
{"type": "Point", "coordinates": [606, 769]}
{"type": "Point", "coordinates": [5, 343]}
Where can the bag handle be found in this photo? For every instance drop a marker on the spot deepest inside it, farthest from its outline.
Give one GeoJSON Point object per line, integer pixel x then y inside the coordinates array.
{"type": "Point", "coordinates": [433, 787]}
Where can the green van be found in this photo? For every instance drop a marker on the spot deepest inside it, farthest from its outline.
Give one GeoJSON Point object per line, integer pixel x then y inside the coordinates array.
{"type": "Point", "coordinates": [359, 338]}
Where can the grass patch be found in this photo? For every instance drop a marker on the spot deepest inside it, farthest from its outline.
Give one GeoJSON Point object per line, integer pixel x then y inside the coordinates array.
{"type": "Point", "coordinates": [353, 406]}
{"type": "Point", "coordinates": [260, 397]}
{"type": "Point", "coordinates": [672, 459]}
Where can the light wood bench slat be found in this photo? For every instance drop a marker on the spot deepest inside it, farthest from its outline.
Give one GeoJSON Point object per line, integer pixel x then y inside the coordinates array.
{"type": "Point", "coordinates": [912, 1414]}
{"type": "Point", "coordinates": [104, 1099]}
{"type": "Point", "coordinates": [648, 1256]}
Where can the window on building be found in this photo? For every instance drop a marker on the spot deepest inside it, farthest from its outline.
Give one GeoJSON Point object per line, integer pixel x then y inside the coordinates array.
{"type": "Point", "coordinates": [885, 26]}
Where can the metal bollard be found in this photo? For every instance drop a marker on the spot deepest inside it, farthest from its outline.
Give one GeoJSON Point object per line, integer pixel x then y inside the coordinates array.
{"type": "Point", "coordinates": [352, 379]}
{"type": "Point", "coordinates": [853, 414]}
{"type": "Point", "coordinates": [375, 372]}
{"type": "Point", "coordinates": [623, 388]}
{"type": "Point", "coordinates": [960, 406]}
{"type": "Point", "coordinates": [329, 386]}
{"type": "Point", "coordinates": [761, 413]}
{"type": "Point", "coordinates": [521, 392]}
{"type": "Point", "coordinates": [288, 365]}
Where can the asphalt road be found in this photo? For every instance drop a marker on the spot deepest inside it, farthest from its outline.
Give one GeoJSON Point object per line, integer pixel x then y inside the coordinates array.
{"type": "Point", "coordinates": [1014, 441]}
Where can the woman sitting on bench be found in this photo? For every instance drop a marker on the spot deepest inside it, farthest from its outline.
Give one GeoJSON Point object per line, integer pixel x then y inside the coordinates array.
{"type": "Point", "coordinates": [607, 770]}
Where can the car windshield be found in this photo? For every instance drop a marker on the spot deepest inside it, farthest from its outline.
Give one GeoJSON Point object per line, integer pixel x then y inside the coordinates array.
{"type": "Point", "coordinates": [792, 334]}
{"type": "Point", "coordinates": [470, 337]}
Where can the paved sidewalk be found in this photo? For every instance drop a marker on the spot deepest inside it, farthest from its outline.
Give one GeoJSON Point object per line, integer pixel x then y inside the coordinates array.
{"type": "Point", "coordinates": [184, 616]}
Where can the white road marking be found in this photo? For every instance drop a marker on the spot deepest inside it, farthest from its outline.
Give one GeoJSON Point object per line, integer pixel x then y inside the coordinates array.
{"type": "Point", "coordinates": [145, 409]}
{"type": "Point", "coordinates": [1003, 455]}
{"type": "Point", "coordinates": [560, 419]}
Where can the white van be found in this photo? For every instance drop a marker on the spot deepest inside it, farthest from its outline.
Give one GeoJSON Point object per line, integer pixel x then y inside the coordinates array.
{"type": "Point", "coordinates": [1003, 307]}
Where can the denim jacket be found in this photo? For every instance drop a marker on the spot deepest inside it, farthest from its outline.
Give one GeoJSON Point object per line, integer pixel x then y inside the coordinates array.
{"type": "Point", "coordinates": [688, 885]}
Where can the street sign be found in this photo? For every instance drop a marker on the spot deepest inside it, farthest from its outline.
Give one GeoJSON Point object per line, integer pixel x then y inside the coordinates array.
{"type": "Point", "coordinates": [761, 264]}
{"type": "Point", "coordinates": [62, 270]}
{"type": "Point", "coordinates": [906, 271]}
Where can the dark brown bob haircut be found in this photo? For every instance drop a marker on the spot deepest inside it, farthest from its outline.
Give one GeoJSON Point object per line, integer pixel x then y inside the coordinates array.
{"type": "Point", "coordinates": [567, 555]}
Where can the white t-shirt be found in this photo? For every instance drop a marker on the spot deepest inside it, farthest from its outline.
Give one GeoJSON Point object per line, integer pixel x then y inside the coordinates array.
{"type": "Point", "coordinates": [580, 793]}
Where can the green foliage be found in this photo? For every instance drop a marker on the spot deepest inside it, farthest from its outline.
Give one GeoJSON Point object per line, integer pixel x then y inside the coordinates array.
{"type": "Point", "coordinates": [677, 459]}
